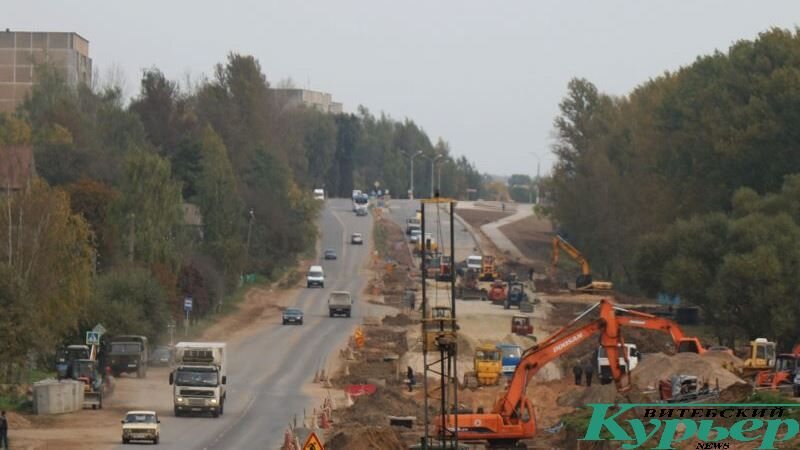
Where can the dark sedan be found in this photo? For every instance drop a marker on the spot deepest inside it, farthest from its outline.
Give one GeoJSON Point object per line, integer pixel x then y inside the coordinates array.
{"type": "Point", "coordinates": [293, 316]}
{"type": "Point", "coordinates": [330, 253]}
{"type": "Point", "coordinates": [162, 356]}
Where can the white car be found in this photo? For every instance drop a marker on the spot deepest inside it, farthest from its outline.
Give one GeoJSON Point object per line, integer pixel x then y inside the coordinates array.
{"type": "Point", "coordinates": [315, 277]}
{"type": "Point", "coordinates": [319, 194]}
{"type": "Point", "coordinates": [415, 235]}
{"type": "Point", "coordinates": [141, 426]}
{"type": "Point", "coordinates": [357, 238]}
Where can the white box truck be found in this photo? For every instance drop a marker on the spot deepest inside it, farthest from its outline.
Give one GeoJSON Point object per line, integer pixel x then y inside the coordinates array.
{"type": "Point", "coordinates": [199, 378]}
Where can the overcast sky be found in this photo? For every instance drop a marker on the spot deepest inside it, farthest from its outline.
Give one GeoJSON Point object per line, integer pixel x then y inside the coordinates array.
{"type": "Point", "coordinates": [486, 76]}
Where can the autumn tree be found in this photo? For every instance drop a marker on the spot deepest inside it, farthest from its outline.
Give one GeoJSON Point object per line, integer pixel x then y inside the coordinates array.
{"type": "Point", "coordinates": [45, 272]}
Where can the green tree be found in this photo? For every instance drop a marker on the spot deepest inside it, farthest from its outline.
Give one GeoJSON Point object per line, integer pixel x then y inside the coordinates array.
{"type": "Point", "coordinates": [148, 214]}
{"type": "Point", "coordinates": [221, 207]}
{"type": "Point", "coordinates": [129, 300]}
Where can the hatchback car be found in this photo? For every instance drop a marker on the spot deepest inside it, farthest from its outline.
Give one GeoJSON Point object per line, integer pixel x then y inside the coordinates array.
{"type": "Point", "coordinates": [415, 234]}
{"type": "Point", "coordinates": [161, 356]}
{"type": "Point", "coordinates": [330, 253]}
{"type": "Point", "coordinates": [141, 426]}
{"type": "Point", "coordinates": [356, 238]}
{"type": "Point", "coordinates": [293, 316]}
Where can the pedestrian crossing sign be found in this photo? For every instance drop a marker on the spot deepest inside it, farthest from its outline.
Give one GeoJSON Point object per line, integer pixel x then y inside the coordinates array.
{"type": "Point", "coordinates": [313, 443]}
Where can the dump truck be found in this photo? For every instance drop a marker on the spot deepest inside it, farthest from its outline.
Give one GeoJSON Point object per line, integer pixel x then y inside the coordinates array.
{"type": "Point", "coordinates": [129, 354]}
{"type": "Point", "coordinates": [199, 378]}
{"type": "Point", "coordinates": [340, 303]}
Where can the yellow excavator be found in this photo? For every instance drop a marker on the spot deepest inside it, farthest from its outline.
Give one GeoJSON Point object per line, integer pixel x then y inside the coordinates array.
{"type": "Point", "coordinates": [584, 282]}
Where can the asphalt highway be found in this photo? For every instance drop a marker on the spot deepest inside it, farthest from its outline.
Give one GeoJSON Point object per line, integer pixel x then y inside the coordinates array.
{"type": "Point", "coordinates": [268, 370]}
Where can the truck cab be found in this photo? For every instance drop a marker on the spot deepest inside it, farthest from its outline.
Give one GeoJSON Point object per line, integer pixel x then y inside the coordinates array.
{"type": "Point", "coordinates": [340, 303]}
{"type": "Point", "coordinates": [511, 355]}
{"type": "Point", "coordinates": [199, 379]}
{"type": "Point", "coordinates": [604, 368]}
{"type": "Point", "coordinates": [129, 354]}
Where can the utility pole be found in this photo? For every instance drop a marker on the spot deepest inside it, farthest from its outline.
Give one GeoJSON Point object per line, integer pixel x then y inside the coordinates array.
{"type": "Point", "coordinates": [411, 189]}
{"type": "Point", "coordinates": [132, 237]}
{"type": "Point", "coordinates": [249, 232]}
{"type": "Point", "coordinates": [538, 166]}
{"type": "Point", "coordinates": [433, 164]}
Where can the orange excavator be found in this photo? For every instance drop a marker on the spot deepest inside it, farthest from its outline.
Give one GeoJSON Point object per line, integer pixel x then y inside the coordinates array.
{"type": "Point", "coordinates": [512, 417]}
{"type": "Point", "coordinates": [683, 344]}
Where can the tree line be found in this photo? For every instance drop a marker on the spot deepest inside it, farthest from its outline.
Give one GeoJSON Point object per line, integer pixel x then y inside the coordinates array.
{"type": "Point", "coordinates": [687, 185]}
{"type": "Point", "coordinates": [103, 234]}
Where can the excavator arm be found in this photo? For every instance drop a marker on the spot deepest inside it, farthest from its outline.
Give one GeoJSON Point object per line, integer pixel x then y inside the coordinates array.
{"type": "Point", "coordinates": [561, 243]}
{"type": "Point", "coordinates": [512, 417]}
{"type": "Point", "coordinates": [683, 343]}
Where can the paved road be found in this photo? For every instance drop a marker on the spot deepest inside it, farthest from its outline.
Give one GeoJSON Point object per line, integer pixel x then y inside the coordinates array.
{"type": "Point", "coordinates": [400, 210]}
{"type": "Point", "coordinates": [267, 371]}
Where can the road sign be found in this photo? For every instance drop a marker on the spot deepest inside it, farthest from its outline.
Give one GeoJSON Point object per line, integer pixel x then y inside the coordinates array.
{"type": "Point", "coordinates": [99, 329]}
{"type": "Point", "coordinates": [92, 338]}
{"type": "Point", "coordinates": [313, 443]}
{"type": "Point", "coordinates": [187, 304]}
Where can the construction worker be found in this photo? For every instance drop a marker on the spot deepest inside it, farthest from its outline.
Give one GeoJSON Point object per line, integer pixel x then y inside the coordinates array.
{"type": "Point", "coordinates": [3, 430]}
{"type": "Point", "coordinates": [588, 370]}
{"type": "Point", "coordinates": [530, 274]}
{"type": "Point", "coordinates": [578, 372]}
{"type": "Point", "coordinates": [410, 376]}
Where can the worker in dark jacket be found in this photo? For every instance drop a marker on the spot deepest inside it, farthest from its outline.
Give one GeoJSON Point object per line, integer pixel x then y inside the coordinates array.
{"type": "Point", "coordinates": [3, 430]}
{"type": "Point", "coordinates": [410, 376]}
{"type": "Point", "coordinates": [588, 370]}
{"type": "Point", "coordinates": [578, 372]}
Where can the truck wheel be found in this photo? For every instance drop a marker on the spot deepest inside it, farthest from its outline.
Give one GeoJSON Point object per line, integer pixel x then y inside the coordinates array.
{"type": "Point", "coordinates": [506, 305]}
{"type": "Point", "coordinates": [222, 408]}
{"type": "Point", "coordinates": [155, 441]}
{"type": "Point", "coordinates": [100, 403]}
{"type": "Point", "coordinates": [139, 373]}
{"type": "Point", "coordinates": [348, 313]}
{"type": "Point", "coordinates": [215, 413]}
{"type": "Point", "coordinates": [330, 313]}
{"type": "Point", "coordinates": [125, 441]}
{"type": "Point", "coordinates": [177, 412]}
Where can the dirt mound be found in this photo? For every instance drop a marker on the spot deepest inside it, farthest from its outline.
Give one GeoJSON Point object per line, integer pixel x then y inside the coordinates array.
{"type": "Point", "coordinates": [399, 320]}
{"type": "Point", "coordinates": [658, 366]}
{"type": "Point", "coordinates": [524, 342]}
{"type": "Point", "coordinates": [373, 409]}
{"type": "Point", "coordinates": [545, 400]}
{"type": "Point", "coordinates": [365, 438]}
{"type": "Point", "coordinates": [736, 393]}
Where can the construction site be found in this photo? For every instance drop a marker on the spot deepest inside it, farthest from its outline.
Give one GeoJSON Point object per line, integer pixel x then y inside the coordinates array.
{"type": "Point", "coordinates": [449, 363]}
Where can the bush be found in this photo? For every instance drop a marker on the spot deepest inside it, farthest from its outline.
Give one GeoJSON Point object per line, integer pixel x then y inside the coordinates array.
{"type": "Point", "coordinates": [130, 301]}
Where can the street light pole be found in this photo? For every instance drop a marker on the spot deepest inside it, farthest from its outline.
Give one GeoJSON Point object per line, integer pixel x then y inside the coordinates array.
{"type": "Point", "coordinates": [538, 166]}
{"type": "Point", "coordinates": [411, 189]}
{"type": "Point", "coordinates": [433, 164]}
{"type": "Point", "coordinates": [249, 231]}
